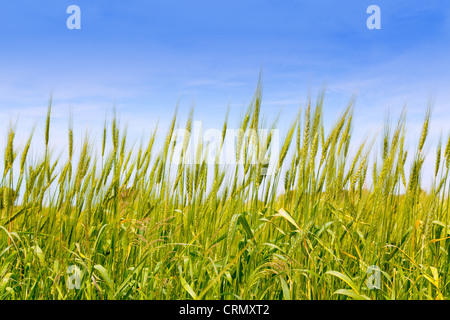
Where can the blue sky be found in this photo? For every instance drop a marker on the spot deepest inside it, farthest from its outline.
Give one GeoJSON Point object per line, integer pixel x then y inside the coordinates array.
{"type": "Point", "coordinates": [145, 56]}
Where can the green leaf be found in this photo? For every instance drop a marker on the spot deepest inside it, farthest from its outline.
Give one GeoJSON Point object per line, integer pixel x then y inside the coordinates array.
{"type": "Point", "coordinates": [246, 227]}
{"type": "Point", "coordinates": [188, 288]}
{"type": "Point", "coordinates": [38, 252]}
{"type": "Point", "coordinates": [285, 287]}
{"type": "Point", "coordinates": [352, 294]}
{"type": "Point", "coordinates": [232, 231]}
{"type": "Point", "coordinates": [4, 282]}
{"type": "Point", "coordinates": [284, 214]}
{"type": "Point", "coordinates": [104, 273]}
{"type": "Point", "coordinates": [344, 278]}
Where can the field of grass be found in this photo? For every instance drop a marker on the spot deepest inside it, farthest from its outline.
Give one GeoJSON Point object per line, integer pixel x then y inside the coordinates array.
{"type": "Point", "coordinates": [137, 227]}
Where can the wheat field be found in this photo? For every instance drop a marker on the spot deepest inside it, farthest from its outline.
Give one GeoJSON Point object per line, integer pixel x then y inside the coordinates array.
{"type": "Point", "coordinates": [120, 222]}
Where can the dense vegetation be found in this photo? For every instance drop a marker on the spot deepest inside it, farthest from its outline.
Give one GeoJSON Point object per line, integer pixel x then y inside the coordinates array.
{"type": "Point", "coordinates": [140, 228]}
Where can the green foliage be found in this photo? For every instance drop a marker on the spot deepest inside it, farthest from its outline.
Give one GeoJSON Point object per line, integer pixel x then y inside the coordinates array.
{"type": "Point", "coordinates": [138, 230]}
